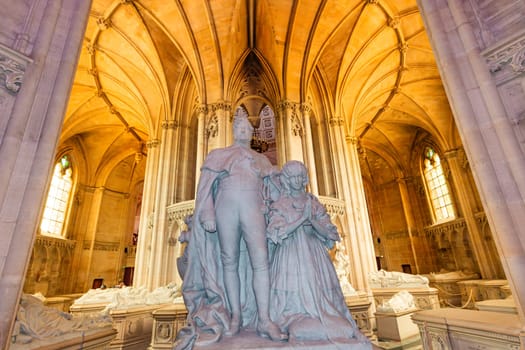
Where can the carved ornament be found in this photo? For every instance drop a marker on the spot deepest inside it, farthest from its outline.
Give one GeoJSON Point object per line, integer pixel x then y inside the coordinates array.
{"type": "Point", "coordinates": [12, 69]}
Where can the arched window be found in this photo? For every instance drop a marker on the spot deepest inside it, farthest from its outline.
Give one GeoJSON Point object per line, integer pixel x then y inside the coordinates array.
{"type": "Point", "coordinates": [437, 187]}
{"type": "Point", "coordinates": [57, 199]}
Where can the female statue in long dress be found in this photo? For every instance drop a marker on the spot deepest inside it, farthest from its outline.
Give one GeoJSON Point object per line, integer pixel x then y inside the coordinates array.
{"type": "Point", "coordinates": [306, 298]}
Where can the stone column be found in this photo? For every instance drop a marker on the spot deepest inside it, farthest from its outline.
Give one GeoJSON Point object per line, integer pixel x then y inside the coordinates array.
{"type": "Point", "coordinates": [33, 99]}
{"type": "Point", "coordinates": [90, 235]}
{"type": "Point", "coordinates": [218, 126]}
{"type": "Point", "coordinates": [465, 199]}
{"type": "Point", "coordinates": [483, 126]}
{"type": "Point", "coordinates": [291, 131]}
{"type": "Point", "coordinates": [158, 275]}
{"type": "Point", "coordinates": [409, 217]}
{"type": "Point", "coordinates": [309, 148]}
{"type": "Point", "coordinates": [146, 215]}
{"type": "Point", "coordinates": [201, 141]}
{"type": "Point", "coordinates": [350, 189]}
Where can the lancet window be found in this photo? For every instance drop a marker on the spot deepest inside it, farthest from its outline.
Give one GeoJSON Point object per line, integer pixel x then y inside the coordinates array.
{"type": "Point", "coordinates": [437, 187]}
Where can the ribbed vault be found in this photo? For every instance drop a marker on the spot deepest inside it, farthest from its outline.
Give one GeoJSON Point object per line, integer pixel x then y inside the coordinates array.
{"type": "Point", "coordinates": [370, 62]}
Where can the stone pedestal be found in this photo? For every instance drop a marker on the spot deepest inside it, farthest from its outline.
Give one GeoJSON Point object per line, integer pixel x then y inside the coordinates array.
{"type": "Point", "coordinates": [170, 319]}
{"type": "Point", "coordinates": [449, 329]}
{"type": "Point", "coordinates": [397, 326]}
{"type": "Point", "coordinates": [249, 340]}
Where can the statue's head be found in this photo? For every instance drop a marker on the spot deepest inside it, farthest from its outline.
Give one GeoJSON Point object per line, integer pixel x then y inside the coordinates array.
{"type": "Point", "coordinates": [242, 129]}
{"type": "Point", "coordinates": [293, 168]}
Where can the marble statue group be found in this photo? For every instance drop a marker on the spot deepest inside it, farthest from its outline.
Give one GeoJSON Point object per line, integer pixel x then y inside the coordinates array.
{"type": "Point", "coordinates": [257, 255]}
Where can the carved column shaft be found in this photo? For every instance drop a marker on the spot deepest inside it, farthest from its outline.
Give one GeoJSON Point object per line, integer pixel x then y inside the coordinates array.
{"type": "Point", "coordinates": [486, 267]}
{"type": "Point", "coordinates": [409, 217]}
{"type": "Point", "coordinates": [90, 235]}
{"type": "Point", "coordinates": [201, 141]}
{"type": "Point", "coordinates": [351, 190]}
{"type": "Point", "coordinates": [309, 149]}
{"type": "Point", "coordinates": [218, 126]}
{"type": "Point", "coordinates": [140, 277]}
{"type": "Point", "coordinates": [356, 204]}
{"type": "Point", "coordinates": [291, 122]}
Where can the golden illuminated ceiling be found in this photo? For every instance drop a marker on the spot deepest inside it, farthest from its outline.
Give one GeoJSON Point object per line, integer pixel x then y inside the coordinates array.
{"type": "Point", "coordinates": [369, 61]}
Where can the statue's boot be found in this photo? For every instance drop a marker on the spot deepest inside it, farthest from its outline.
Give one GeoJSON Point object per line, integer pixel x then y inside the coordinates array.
{"type": "Point", "coordinates": [268, 329]}
{"type": "Point", "coordinates": [235, 326]}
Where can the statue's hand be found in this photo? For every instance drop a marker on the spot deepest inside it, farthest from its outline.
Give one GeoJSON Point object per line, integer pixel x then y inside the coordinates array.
{"type": "Point", "coordinates": [307, 212]}
{"type": "Point", "coordinates": [209, 225]}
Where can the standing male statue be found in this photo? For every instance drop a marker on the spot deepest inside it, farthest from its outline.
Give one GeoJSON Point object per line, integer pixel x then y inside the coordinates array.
{"type": "Point", "coordinates": [229, 223]}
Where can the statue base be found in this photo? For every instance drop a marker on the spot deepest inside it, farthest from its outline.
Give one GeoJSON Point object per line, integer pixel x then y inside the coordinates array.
{"type": "Point", "coordinates": [249, 340]}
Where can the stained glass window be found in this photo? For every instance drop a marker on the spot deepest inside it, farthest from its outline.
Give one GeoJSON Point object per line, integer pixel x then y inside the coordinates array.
{"type": "Point", "coordinates": [57, 199]}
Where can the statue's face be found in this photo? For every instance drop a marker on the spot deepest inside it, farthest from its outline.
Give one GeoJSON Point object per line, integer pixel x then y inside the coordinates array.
{"type": "Point", "coordinates": [242, 130]}
{"type": "Point", "coordinates": [296, 181]}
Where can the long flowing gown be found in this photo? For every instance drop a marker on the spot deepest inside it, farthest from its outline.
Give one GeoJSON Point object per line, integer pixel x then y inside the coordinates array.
{"type": "Point", "coordinates": [306, 298]}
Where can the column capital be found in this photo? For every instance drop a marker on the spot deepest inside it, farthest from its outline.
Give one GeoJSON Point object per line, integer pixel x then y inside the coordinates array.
{"type": "Point", "coordinates": [201, 109]}
{"type": "Point", "coordinates": [152, 143]}
{"type": "Point", "coordinates": [306, 108]}
{"type": "Point", "coordinates": [287, 104]}
{"type": "Point", "coordinates": [336, 121]}
{"type": "Point", "coordinates": [169, 124]}
{"type": "Point", "coordinates": [220, 106]}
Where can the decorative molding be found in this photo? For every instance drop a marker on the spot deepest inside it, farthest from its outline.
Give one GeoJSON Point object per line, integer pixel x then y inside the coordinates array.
{"type": "Point", "coordinates": [48, 241]}
{"type": "Point", "coordinates": [220, 106]}
{"type": "Point", "coordinates": [178, 211]}
{"type": "Point", "coordinates": [201, 109]}
{"type": "Point", "coordinates": [212, 126]}
{"type": "Point", "coordinates": [507, 60]}
{"type": "Point", "coordinates": [306, 108]}
{"type": "Point", "coordinates": [169, 124]}
{"type": "Point", "coordinates": [336, 121]}
{"type": "Point", "coordinates": [104, 246]}
{"type": "Point", "coordinates": [152, 143]}
{"type": "Point", "coordinates": [296, 123]}
{"type": "Point", "coordinates": [334, 207]}
{"type": "Point", "coordinates": [12, 68]}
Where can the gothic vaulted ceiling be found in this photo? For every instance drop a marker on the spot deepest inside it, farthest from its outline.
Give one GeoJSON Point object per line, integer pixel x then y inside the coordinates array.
{"type": "Point", "coordinates": [370, 61]}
